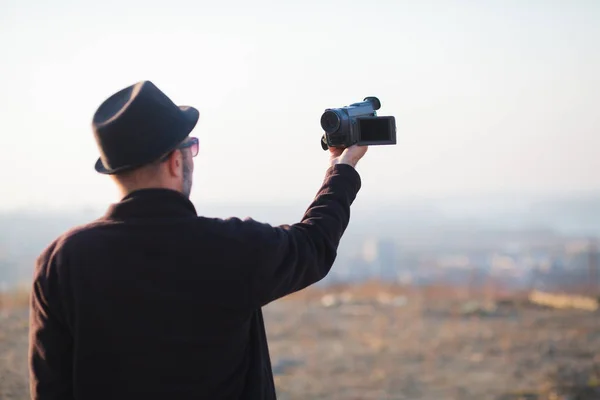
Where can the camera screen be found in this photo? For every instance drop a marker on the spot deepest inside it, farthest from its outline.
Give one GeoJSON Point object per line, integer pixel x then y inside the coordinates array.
{"type": "Point", "coordinates": [378, 129]}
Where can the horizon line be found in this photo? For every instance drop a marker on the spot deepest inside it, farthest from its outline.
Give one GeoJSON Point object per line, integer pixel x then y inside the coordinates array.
{"type": "Point", "coordinates": [521, 197]}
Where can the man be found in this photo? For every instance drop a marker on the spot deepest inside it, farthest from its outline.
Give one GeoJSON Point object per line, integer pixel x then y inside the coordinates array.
{"type": "Point", "coordinates": [152, 301]}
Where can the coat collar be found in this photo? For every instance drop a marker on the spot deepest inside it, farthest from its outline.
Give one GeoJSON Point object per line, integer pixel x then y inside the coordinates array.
{"type": "Point", "coordinates": [151, 203]}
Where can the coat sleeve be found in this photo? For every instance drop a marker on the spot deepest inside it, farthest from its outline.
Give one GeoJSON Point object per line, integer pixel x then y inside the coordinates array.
{"type": "Point", "coordinates": [50, 341]}
{"type": "Point", "coordinates": [287, 258]}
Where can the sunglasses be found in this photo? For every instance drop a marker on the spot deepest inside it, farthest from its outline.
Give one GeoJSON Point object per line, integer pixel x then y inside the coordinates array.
{"type": "Point", "coordinates": [191, 143]}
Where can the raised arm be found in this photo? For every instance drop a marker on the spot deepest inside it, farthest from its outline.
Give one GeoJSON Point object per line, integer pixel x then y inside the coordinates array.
{"type": "Point", "coordinates": [288, 258]}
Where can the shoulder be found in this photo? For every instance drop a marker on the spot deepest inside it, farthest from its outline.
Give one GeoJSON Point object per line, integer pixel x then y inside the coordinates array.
{"type": "Point", "coordinates": [233, 225]}
{"type": "Point", "coordinates": [71, 240]}
{"type": "Point", "coordinates": [246, 230]}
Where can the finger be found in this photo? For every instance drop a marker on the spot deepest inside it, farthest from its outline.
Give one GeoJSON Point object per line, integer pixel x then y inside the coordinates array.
{"type": "Point", "coordinates": [356, 149]}
{"type": "Point", "coordinates": [335, 151]}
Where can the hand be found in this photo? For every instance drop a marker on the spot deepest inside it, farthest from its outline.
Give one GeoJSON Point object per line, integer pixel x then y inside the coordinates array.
{"type": "Point", "coordinates": [350, 155]}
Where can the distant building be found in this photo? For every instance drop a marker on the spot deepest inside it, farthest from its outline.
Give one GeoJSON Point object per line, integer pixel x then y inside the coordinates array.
{"type": "Point", "coordinates": [381, 255]}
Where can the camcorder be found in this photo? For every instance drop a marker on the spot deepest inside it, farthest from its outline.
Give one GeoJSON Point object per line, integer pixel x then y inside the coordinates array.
{"type": "Point", "coordinates": [357, 124]}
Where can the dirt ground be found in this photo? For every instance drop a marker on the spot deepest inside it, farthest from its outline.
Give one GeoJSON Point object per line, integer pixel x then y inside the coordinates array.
{"type": "Point", "coordinates": [13, 354]}
{"type": "Point", "coordinates": [378, 342]}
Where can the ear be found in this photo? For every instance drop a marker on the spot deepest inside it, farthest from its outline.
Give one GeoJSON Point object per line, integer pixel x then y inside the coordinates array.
{"type": "Point", "coordinates": [175, 164]}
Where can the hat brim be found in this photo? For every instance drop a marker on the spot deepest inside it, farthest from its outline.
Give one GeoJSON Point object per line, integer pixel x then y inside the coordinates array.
{"type": "Point", "coordinates": [191, 115]}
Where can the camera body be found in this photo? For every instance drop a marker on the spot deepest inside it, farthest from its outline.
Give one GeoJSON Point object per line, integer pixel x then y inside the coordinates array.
{"type": "Point", "coordinates": [357, 124]}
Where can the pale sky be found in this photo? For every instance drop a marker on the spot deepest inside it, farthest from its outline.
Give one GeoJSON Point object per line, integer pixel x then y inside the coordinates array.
{"type": "Point", "coordinates": [489, 96]}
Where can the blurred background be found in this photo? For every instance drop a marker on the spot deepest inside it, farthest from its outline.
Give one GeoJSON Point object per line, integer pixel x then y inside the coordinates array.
{"type": "Point", "coordinates": [470, 266]}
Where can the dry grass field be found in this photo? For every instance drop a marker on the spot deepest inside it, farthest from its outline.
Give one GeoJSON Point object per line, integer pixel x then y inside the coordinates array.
{"type": "Point", "coordinates": [375, 341]}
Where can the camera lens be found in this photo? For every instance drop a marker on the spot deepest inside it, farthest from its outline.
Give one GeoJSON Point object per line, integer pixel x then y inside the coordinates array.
{"type": "Point", "coordinates": [330, 121]}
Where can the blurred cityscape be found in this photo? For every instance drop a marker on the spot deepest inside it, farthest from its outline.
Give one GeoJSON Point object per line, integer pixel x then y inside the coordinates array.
{"type": "Point", "coordinates": [500, 244]}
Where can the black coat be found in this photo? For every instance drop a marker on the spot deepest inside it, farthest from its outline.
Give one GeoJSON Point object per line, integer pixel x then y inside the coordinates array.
{"type": "Point", "coordinates": [152, 301]}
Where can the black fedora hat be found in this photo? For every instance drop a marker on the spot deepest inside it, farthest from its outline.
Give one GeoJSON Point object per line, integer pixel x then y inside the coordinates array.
{"type": "Point", "coordinates": [137, 126]}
